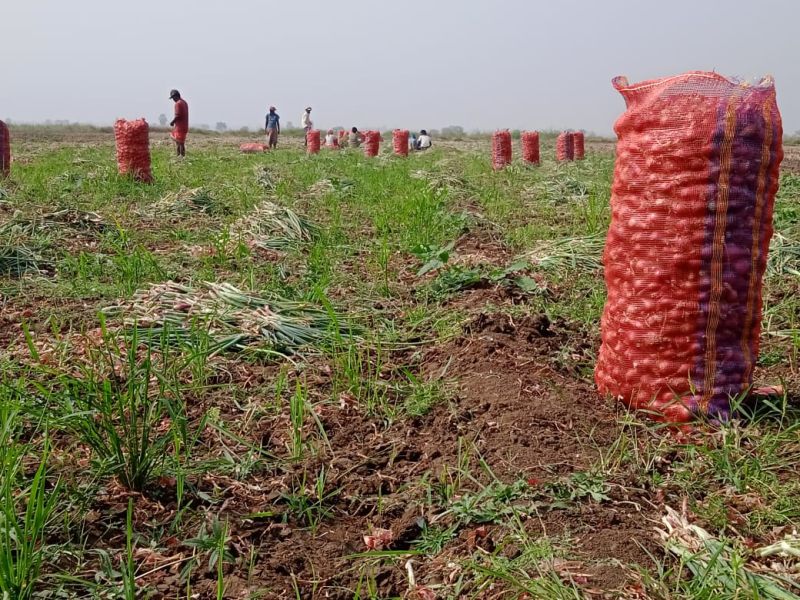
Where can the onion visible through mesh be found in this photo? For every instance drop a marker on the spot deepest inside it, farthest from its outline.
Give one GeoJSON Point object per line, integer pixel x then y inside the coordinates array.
{"type": "Point", "coordinates": [313, 141]}
{"type": "Point", "coordinates": [530, 147]}
{"type": "Point", "coordinates": [400, 142]}
{"type": "Point", "coordinates": [691, 220]}
{"type": "Point", "coordinates": [133, 149]}
{"type": "Point", "coordinates": [501, 149]}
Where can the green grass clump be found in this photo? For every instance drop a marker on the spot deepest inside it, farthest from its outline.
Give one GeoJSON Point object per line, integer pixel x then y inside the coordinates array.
{"type": "Point", "coordinates": [16, 261]}
{"type": "Point", "coordinates": [28, 504]}
{"type": "Point", "coordinates": [121, 418]}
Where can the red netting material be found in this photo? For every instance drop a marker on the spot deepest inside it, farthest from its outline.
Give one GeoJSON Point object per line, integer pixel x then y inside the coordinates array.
{"type": "Point", "coordinates": [5, 150]}
{"type": "Point", "coordinates": [252, 148]}
{"type": "Point", "coordinates": [400, 142]}
{"type": "Point", "coordinates": [133, 149]}
{"type": "Point", "coordinates": [578, 145]}
{"type": "Point", "coordinates": [312, 141]}
{"type": "Point", "coordinates": [694, 188]}
{"type": "Point", "coordinates": [530, 147]}
{"type": "Point", "coordinates": [501, 149]}
{"type": "Point", "coordinates": [564, 146]}
{"type": "Point", "coordinates": [372, 143]}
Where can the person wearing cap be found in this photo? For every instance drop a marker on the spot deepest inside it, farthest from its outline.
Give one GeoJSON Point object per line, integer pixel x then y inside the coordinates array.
{"type": "Point", "coordinates": [272, 127]}
{"type": "Point", "coordinates": [330, 139]}
{"type": "Point", "coordinates": [180, 124]}
{"type": "Point", "coordinates": [306, 123]}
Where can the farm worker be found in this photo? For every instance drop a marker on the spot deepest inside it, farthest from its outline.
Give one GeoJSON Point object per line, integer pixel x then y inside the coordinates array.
{"type": "Point", "coordinates": [306, 123]}
{"type": "Point", "coordinates": [180, 124]}
{"type": "Point", "coordinates": [412, 141]}
{"type": "Point", "coordinates": [330, 139]}
{"type": "Point", "coordinates": [272, 127]}
{"type": "Point", "coordinates": [354, 138]}
{"type": "Point", "coordinates": [424, 141]}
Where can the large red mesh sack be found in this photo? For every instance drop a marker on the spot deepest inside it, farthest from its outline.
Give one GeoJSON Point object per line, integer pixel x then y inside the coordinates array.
{"type": "Point", "coordinates": [5, 150]}
{"type": "Point", "coordinates": [694, 187]}
{"type": "Point", "coordinates": [400, 142]}
{"type": "Point", "coordinates": [133, 149]}
{"type": "Point", "coordinates": [565, 149]}
{"type": "Point", "coordinates": [372, 143]}
{"type": "Point", "coordinates": [501, 149]}
{"type": "Point", "coordinates": [313, 141]}
{"type": "Point", "coordinates": [530, 147]}
{"type": "Point", "coordinates": [578, 145]}
{"type": "Point", "coordinates": [252, 148]}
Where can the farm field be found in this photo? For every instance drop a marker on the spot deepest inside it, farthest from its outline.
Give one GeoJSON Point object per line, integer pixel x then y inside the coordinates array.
{"type": "Point", "coordinates": [291, 376]}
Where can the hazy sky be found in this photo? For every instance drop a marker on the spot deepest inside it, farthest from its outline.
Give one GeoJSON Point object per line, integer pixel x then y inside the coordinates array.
{"type": "Point", "coordinates": [411, 63]}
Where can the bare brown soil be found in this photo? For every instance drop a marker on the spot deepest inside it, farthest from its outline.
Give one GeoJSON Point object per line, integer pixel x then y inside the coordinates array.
{"type": "Point", "coordinates": [516, 402]}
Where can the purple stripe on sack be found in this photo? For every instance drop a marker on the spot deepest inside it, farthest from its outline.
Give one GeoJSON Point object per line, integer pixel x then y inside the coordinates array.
{"type": "Point", "coordinates": [765, 227]}
{"type": "Point", "coordinates": [704, 288]}
{"type": "Point", "coordinates": [737, 264]}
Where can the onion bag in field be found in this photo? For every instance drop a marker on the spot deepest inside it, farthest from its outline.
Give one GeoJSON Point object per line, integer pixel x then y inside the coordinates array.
{"type": "Point", "coordinates": [400, 141]}
{"type": "Point", "coordinates": [501, 149]}
{"type": "Point", "coordinates": [313, 141]}
{"type": "Point", "coordinates": [252, 148]}
{"type": "Point", "coordinates": [5, 150]}
{"type": "Point", "coordinates": [694, 188]}
{"type": "Point", "coordinates": [133, 149]}
{"type": "Point", "coordinates": [565, 149]}
{"type": "Point", "coordinates": [578, 145]}
{"type": "Point", "coordinates": [372, 143]}
{"type": "Point", "coordinates": [530, 147]}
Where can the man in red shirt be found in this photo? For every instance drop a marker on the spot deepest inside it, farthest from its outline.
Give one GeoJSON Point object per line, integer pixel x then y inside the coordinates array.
{"type": "Point", "coordinates": [180, 124]}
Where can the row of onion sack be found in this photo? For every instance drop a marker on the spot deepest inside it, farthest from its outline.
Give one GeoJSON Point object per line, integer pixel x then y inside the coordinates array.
{"type": "Point", "coordinates": [133, 146]}
{"type": "Point", "coordinates": [570, 145]}
{"type": "Point", "coordinates": [371, 139]}
{"type": "Point", "coordinates": [695, 179]}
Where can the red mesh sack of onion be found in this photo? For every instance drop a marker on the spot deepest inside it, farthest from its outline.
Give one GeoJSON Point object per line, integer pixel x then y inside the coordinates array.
{"type": "Point", "coordinates": [400, 142]}
{"type": "Point", "coordinates": [564, 146]}
{"type": "Point", "coordinates": [372, 143]}
{"type": "Point", "coordinates": [501, 149]}
{"type": "Point", "coordinates": [691, 219]}
{"type": "Point", "coordinates": [530, 147]}
{"type": "Point", "coordinates": [252, 148]}
{"type": "Point", "coordinates": [313, 141]}
{"type": "Point", "coordinates": [133, 149]}
{"type": "Point", "coordinates": [578, 141]}
{"type": "Point", "coordinates": [5, 150]}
